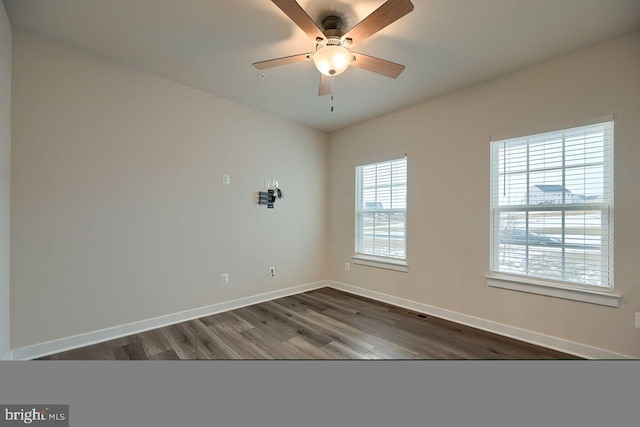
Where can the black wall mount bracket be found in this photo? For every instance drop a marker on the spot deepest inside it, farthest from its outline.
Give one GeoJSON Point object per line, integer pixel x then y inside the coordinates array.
{"type": "Point", "coordinates": [267, 198]}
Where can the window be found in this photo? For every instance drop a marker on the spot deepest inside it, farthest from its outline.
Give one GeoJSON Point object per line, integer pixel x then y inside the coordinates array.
{"type": "Point", "coordinates": [552, 207]}
{"type": "Point", "coordinates": [381, 209]}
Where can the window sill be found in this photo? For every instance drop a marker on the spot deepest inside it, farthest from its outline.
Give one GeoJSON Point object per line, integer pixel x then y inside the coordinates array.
{"type": "Point", "coordinates": [386, 263]}
{"type": "Point", "coordinates": [550, 289]}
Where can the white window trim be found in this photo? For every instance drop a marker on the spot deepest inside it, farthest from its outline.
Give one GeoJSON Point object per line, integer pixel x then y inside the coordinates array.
{"type": "Point", "coordinates": [547, 287]}
{"type": "Point", "coordinates": [397, 264]}
{"type": "Point", "coordinates": [380, 262]}
{"type": "Point", "coordinates": [543, 287]}
{"type": "Point", "coordinates": [553, 127]}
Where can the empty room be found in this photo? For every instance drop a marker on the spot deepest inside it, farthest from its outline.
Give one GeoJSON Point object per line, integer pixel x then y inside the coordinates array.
{"type": "Point", "coordinates": [319, 179]}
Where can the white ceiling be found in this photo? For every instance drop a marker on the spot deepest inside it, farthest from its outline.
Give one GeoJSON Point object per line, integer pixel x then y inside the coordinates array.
{"type": "Point", "coordinates": [210, 45]}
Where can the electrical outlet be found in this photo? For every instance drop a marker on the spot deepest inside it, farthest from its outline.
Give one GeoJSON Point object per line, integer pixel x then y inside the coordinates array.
{"type": "Point", "coordinates": [347, 266]}
{"type": "Point", "coordinates": [225, 278]}
{"type": "Point", "coordinates": [637, 320]}
{"type": "Point", "coordinates": [275, 183]}
{"type": "Point", "coordinates": [272, 271]}
{"type": "Point", "coordinates": [226, 179]}
{"type": "Point", "coordinates": [267, 183]}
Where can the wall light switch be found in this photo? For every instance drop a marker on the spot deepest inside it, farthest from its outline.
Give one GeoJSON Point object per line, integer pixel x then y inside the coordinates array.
{"type": "Point", "coordinates": [226, 179]}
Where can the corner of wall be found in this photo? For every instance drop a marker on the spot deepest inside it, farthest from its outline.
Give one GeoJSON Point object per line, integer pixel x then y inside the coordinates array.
{"type": "Point", "coordinates": [6, 51]}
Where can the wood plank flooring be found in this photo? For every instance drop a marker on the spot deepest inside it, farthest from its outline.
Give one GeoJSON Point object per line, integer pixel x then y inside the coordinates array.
{"type": "Point", "coordinates": [320, 324]}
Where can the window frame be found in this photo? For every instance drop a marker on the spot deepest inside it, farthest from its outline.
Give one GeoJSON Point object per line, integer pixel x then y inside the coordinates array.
{"type": "Point", "coordinates": [373, 259]}
{"type": "Point", "coordinates": [598, 294]}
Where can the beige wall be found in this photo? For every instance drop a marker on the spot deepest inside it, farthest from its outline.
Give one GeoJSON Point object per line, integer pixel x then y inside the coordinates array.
{"type": "Point", "coordinates": [447, 141]}
{"type": "Point", "coordinates": [119, 213]}
{"type": "Point", "coordinates": [5, 176]}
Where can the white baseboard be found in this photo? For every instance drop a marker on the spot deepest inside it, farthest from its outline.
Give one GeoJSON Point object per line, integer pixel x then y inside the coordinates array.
{"type": "Point", "coordinates": [7, 356]}
{"type": "Point", "coordinates": [536, 338]}
{"type": "Point", "coordinates": [69, 343]}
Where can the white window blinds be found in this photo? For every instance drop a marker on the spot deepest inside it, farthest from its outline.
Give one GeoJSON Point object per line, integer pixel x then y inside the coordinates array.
{"type": "Point", "coordinates": [552, 206]}
{"type": "Point", "coordinates": [381, 209]}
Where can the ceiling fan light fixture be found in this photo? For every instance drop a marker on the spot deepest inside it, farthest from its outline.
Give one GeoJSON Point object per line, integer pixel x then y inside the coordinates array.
{"type": "Point", "coordinates": [333, 54]}
{"type": "Point", "coordinates": [332, 60]}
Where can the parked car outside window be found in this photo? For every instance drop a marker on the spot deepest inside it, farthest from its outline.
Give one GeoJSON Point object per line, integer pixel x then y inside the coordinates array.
{"type": "Point", "coordinates": [520, 236]}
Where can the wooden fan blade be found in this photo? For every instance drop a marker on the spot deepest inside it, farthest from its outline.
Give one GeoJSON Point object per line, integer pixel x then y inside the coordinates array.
{"type": "Point", "coordinates": [386, 14]}
{"type": "Point", "coordinates": [326, 85]}
{"type": "Point", "coordinates": [292, 9]}
{"type": "Point", "coordinates": [282, 61]}
{"type": "Point", "coordinates": [377, 65]}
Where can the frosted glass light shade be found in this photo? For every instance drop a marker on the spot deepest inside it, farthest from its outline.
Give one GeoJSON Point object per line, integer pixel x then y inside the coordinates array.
{"type": "Point", "coordinates": [332, 60]}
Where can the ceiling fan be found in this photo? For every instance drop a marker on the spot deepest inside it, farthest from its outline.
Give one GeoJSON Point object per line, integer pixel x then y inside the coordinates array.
{"type": "Point", "coordinates": [333, 53]}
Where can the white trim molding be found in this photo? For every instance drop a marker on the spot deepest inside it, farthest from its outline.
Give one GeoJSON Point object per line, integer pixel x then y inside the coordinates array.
{"type": "Point", "coordinates": [531, 337]}
{"type": "Point", "coordinates": [544, 288]}
{"type": "Point", "coordinates": [8, 356]}
{"type": "Point", "coordinates": [552, 127]}
{"type": "Point", "coordinates": [387, 263]}
{"type": "Point", "coordinates": [69, 343]}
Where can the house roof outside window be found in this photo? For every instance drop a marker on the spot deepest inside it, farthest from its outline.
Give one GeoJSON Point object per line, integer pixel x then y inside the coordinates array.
{"type": "Point", "coordinates": [552, 188]}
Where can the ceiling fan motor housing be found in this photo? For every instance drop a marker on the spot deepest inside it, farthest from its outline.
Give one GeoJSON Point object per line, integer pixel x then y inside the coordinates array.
{"type": "Point", "coordinates": [332, 26]}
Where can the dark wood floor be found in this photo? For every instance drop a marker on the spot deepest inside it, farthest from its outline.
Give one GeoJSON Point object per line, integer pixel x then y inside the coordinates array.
{"type": "Point", "coordinates": [321, 324]}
